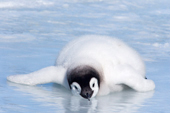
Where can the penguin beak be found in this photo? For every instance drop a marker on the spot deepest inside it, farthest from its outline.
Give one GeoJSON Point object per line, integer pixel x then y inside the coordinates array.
{"type": "Point", "coordinates": [86, 93]}
{"type": "Point", "coordinates": [88, 96]}
{"type": "Point", "coordinates": [88, 99]}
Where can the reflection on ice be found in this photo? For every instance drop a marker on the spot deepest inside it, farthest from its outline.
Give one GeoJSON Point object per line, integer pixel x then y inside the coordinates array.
{"type": "Point", "coordinates": [32, 32]}
{"type": "Point", "coordinates": [127, 101]}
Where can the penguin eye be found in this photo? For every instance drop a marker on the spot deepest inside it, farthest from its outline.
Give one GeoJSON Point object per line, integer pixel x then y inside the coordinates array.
{"type": "Point", "coordinates": [93, 83]}
{"type": "Point", "coordinates": [75, 87]}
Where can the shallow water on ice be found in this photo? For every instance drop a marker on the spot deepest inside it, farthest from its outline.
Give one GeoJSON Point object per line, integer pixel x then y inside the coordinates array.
{"type": "Point", "coordinates": [33, 32]}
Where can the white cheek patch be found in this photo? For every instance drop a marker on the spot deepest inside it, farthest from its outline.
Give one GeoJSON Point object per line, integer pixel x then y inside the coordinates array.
{"type": "Point", "coordinates": [94, 86]}
{"type": "Point", "coordinates": [75, 88]}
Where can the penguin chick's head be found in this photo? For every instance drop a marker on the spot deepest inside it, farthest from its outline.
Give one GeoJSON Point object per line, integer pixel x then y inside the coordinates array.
{"type": "Point", "coordinates": [84, 81]}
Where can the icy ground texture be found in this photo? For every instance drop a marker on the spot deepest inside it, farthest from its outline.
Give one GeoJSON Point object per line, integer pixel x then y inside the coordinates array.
{"type": "Point", "coordinates": [32, 32]}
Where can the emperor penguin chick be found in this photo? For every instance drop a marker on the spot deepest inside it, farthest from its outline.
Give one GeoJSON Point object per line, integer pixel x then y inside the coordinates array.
{"type": "Point", "coordinates": [93, 65]}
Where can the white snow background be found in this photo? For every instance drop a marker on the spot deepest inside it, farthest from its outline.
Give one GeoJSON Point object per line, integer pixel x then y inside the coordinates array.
{"type": "Point", "coordinates": [32, 32]}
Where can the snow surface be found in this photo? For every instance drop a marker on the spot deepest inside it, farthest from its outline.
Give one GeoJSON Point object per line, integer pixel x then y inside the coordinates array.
{"type": "Point", "coordinates": [33, 32]}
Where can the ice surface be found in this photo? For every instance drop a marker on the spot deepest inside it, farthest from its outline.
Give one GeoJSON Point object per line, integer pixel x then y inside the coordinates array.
{"type": "Point", "coordinates": [33, 32]}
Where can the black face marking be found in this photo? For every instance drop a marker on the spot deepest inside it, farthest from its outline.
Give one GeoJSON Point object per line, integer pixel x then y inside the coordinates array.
{"type": "Point", "coordinates": [82, 75]}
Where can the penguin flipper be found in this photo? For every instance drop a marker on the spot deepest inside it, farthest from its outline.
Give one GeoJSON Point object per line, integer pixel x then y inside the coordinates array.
{"type": "Point", "coordinates": [46, 75]}
{"type": "Point", "coordinates": [133, 79]}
